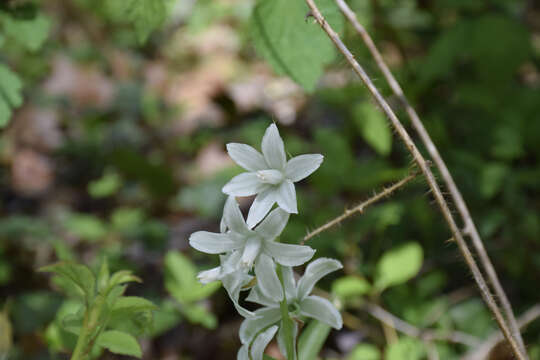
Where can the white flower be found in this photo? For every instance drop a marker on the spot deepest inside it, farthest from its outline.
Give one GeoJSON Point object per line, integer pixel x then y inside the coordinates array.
{"type": "Point", "coordinates": [269, 175]}
{"type": "Point", "coordinates": [252, 248]}
{"type": "Point", "coordinates": [299, 301]}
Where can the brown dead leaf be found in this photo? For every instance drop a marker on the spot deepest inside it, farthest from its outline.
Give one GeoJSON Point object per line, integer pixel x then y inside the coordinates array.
{"type": "Point", "coordinates": [37, 128]}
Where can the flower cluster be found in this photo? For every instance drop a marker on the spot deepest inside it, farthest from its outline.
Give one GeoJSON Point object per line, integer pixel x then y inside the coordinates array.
{"type": "Point", "coordinates": [250, 255]}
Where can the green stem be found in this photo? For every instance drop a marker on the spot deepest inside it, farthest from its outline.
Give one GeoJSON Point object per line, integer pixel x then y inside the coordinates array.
{"type": "Point", "coordinates": [286, 320]}
{"type": "Point", "coordinates": [82, 341]}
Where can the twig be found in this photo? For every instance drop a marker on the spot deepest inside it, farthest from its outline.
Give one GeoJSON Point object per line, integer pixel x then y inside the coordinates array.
{"type": "Point", "coordinates": [360, 207]}
{"type": "Point", "coordinates": [470, 227]}
{"type": "Point", "coordinates": [485, 348]}
{"type": "Point", "coordinates": [404, 327]}
{"type": "Point", "coordinates": [419, 159]}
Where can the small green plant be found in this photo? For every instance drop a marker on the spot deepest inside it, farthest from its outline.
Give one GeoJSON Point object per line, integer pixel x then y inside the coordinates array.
{"type": "Point", "coordinates": [106, 319]}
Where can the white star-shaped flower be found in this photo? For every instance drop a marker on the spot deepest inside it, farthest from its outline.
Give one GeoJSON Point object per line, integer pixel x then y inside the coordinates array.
{"type": "Point", "coordinates": [249, 248]}
{"type": "Point", "coordinates": [269, 175]}
{"type": "Point", "coordinates": [299, 301]}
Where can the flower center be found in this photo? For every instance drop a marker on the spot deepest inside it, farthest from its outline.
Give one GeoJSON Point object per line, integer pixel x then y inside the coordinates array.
{"type": "Point", "coordinates": [270, 176]}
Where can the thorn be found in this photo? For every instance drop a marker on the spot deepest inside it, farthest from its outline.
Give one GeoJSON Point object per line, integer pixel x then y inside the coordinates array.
{"type": "Point", "coordinates": [308, 15]}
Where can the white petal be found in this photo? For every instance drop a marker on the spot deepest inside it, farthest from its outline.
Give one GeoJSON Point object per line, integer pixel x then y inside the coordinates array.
{"type": "Point", "coordinates": [286, 197]}
{"type": "Point", "coordinates": [300, 167]}
{"type": "Point", "coordinates": [260, 207]}
{"type": "Point", "coordinates": [282, 341]}
{"type": "Point", "coordinates": [273, 224]}
{"type": "Point", "coordinates": [246, 156]}
{"type": "Point", "coordinates": [261, 342]}
{"type": "Point", "coordinates": [213, 243]}
{"type": "Point", "coordinates": [288, 282]}
{"type": "Point", "coordinates": [270, 176]}
{"type": "Point", "coordinates": [209, 276]}
{"type": "Point", "coordinates": [288, 254]}
{"type": "Point", "coordinates": [251, 250]}
{"type": "Point", "coordinates": [273, 149]}
{"type": "Point", "coordinates": [233, 284]}
{"type": "Point", "coordinates": [256, 296]}
{"type": "Point", "coordinates": [267, 279]}
{"type": "Point", "coordinates": [321, 309]}
{"type": "Point", "coordinates": [243, 353]}
{"type": "Point", "coordinates": [245, 184]}
{"type": "Point", "coordinates": [314, 272]}
{"type": "Point", "coordinates": [252, 326]}
{"type": "Point", "coordinates": [233, 216]}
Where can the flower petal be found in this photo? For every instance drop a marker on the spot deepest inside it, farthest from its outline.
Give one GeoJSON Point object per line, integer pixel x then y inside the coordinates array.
{"type": "Point", "coordinates": [233, 284]}
{"type": "Point", "coordinates": [273, 149]}
{"type": "Point", "coordinates": [270, 176]}
{"type": "Point", "coordinates": [321, 309]}
{"type": "Point", "coordinates": [257, 297]}
{"type": "Point", "coordinates": [260, 207]}
{"type": "Point", "coordinates": [300, 167]}
{"type": "Point", "coordinates": [288, 282]}
{"type": "Point", "coordinates": [243, 353]}
{"type": "Point", "coordinates": [314, 272]}
{"type": "Point", "coordinates": [273, 224]}
{"type": "Point", "coordinates": [288, 254]}
{"type": "Point", "coordinates": [213, 243]}
{"type": "Point", "coordinates": [286, 197]}
{"type": "Point", "coordinates": [267, 279]}
{"type": "Point", "coordinates": [261, 342]}
{"type": "Point", "coordinates": [252, 326]}
{"type": "Point", "coordinates": [209, 276]}
{"type": "Point", "coordinates": [251, 251]}
{"type": "Point", "coordinates": [245, 184]}
{"type": "Point", "coordinates": [246, 156]}
{"type": "Point", "coordinates": [233, 216]}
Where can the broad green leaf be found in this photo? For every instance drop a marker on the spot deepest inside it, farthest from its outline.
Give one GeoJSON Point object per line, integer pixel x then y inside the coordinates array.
{"type": "Point", "coordinates": [374, 127]}
{"type": "Point", "coordinates": [365, 352]}
{"type": "Point", "coordinates": [398, 265]}
{"type": "Point", "coordinates": [133, 304]}
{"type": "Point", "coordinates": [491, 178]}
{"type": "Point", "coordinates": [30, 33]}
{"type": "Point", "coordinates": [181, 281]}
{"type": "Point", "coordinates": [144, 15]}
{"type": "Point", "coordinates": [350, 286]}
{"type": "Point", "coordinates": [105, 186]}
{"type": "Point", "coordinates": [77, 276]}
{"type": "Point", "coordinates": [10, 94]}
{"type": "Point", "coordinates": [197, 314]}
{"type": "Point", "coordinates": [120, 343]}
{"type": "Point", "coordinates": [312, 340]}
{"type": "Point", "coordinates": [73, 322]}
{"type": "Point", "coordinates": [405, 349]}
{"type": "Point", "coordinates": [294, 46]}
{"type": "Point", "coordinates": [86, 227]}
{"type": "Point", "coordinates": [122, 277]}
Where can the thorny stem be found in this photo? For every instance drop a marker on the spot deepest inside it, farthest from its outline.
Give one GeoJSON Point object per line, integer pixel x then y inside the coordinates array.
{"type": "Point", "coordinates": [485, 348]}
{"type": "Point", "coordinates": [469, 226]}
{"type": "Point", "coordinates": [360, 207]}
{"type": "Point", "coordinates": [419, 159]}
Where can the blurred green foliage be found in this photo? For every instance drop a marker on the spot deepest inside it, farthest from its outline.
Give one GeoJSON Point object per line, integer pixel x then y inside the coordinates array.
{"type": "Point", "coordinates": [132, 160]}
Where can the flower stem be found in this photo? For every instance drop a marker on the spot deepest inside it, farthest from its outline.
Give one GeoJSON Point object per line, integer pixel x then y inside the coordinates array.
{"type": "Point", "coordinates": [286, 320]}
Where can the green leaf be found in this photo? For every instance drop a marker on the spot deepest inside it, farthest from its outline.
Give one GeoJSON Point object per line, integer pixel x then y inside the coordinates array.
{"type": "Point", "coordinates": [87, 227]}
{"type": "Point", "coordinates": [398, 265]}
{"type": "Point", "coordinates": [405, 349]}
{"type": "Point", "coordinates": [350, 286]}
{"type": "Point", "coordinates": [131, 304]}
{"type": "Point", "coordinates": [145, 15]}
{"type": "Point", "coordinates": [103, 275]}
{"type": "Point", "coordinates": [293, 45]}
{"type": "Point", "coordinates": [365, 352]}
{"type": "Point", "coordinates": [120, 343]}
{"type": "Point", "coordinates": [198, 314]}
{"type": "Point", "coordinates": [76, 276]}
{"type": "Point", "coordinates": [374, 127]}
{"type": "Point", "coordinates": [312, 340]}
{"type": "Point", "coordinates": [105, 186]}
{"type": "Point", "coordinates": [122, 277]}
{"type": "Point", "coordinates": [30, 33]}
{"type": "Point", "coordinates": [181, 281]}
{"type": "Point", "coordinates": [10, 94]}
